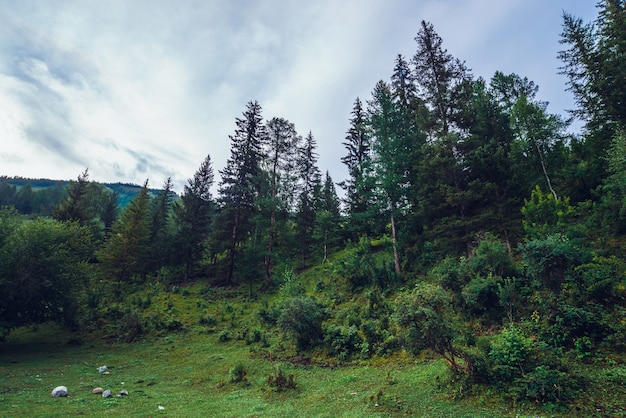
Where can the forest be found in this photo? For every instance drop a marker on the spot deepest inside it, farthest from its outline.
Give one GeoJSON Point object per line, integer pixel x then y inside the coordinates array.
{"type": "Point", "coordinates": [472, 226]}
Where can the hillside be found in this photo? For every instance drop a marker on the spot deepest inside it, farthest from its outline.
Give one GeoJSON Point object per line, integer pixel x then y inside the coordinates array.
{"type": "Point", "coordinates": [29, 195]}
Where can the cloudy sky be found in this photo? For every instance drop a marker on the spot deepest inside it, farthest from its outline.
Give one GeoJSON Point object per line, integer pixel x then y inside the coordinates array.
{"type": "Point", "coordinates": [145, 89]}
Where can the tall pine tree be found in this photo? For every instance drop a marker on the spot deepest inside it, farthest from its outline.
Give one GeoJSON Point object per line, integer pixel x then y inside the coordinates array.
{"type": "Point", "coordinates": [240, 179]}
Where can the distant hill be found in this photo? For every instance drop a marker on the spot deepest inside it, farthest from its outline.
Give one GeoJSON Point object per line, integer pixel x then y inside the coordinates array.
{"type": "Point", "coordinates": [125, 191]}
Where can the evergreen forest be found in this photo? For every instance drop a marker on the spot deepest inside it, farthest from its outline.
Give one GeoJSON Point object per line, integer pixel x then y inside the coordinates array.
{"type": "Point", "coordinates": [473, 227]}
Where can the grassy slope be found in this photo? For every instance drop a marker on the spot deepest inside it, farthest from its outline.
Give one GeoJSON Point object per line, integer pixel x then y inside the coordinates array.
{"type": "Point", "coordinates": [187, 373]}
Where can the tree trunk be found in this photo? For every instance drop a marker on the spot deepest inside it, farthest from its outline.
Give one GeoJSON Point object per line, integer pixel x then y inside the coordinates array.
{"type": "Point", "coordinates": [394, 240]}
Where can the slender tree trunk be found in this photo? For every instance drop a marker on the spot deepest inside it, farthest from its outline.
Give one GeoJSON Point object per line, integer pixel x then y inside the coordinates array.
{"type": "Point", "coordinates": [232, 250]}
{"type": "Point", "coordinates": [545, 170]}
{"type": "Point", "coordinates": [394, 240]}
{"type": "Point", "coordinates": [270, 247]}
{"type": "Point", "coordinates": [325, 247]}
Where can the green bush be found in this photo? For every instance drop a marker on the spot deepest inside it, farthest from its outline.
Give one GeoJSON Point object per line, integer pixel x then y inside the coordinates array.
{"type": "Point", "coordinates": [342, 342]}
{"type": "Point", "coordinates": [238, 373]}
{"type": "Point", "coordinates": [301, 319]}
{"type": "Point", "coordinates": [511, 354]}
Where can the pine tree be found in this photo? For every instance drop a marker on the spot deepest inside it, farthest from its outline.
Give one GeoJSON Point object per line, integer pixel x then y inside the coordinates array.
{"type": "Point", "coordinates": [328, 216]}
{"type": "Point", "coordinates": [192, 216]}
{"type": "Point", "coordinates": [280, 165]}
{"type": "Point", "coordinates": [125, 253]}
{"type": "Point", "coordinates": [240, 183]}
{"type": "Point", "coordinates": [442, 80]}
{"type": "Point", "coordinates": [391, 157]}
{"type": "Point", "coordinates": [358, 186]}
{"type": "Point", "coordinates": [160, 234]}
{"type": "Point", "coordinates": [75, 205]}
{"type": "Point", "coordinates": [310, 179]}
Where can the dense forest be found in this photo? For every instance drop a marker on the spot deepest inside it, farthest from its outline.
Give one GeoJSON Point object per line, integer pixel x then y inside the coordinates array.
{"type": "Point", "coordinates": [472, 224]}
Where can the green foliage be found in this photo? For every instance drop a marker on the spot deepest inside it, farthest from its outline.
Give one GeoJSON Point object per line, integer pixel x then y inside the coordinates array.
{"type": "Point", "coordinates": [427, 320]}
{"type": "Point", "coordinates": [510, 354]}
{"type": "Point", "coordinates": [343, 342]}
{"type": "Point", "coordinates": [545, 215]}
{"type": "Point", "coordinates": [125, 253]}
{"type": "Point", "coordinates": [368, 264]}
{"type": "Point", "coordinates": [492, 257]}
{"type": "Point", "coordinates": [301, 319]}
{"type": "Point", "coordinates": [43, 269]}
{"type": "Point", "coordinates": [238, 373]}
{"type": "Point", "coordinates": [481, 295]}
{"type": "Point", "coordinates": [550, 260]}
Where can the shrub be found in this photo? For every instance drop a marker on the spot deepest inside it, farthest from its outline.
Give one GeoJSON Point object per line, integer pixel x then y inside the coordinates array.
{"type": "Point", "coordinates": [301, 318]}
{"type": "Point", "coordinates": [238, 373]}
{"type": "Point", "coordinates": [510, 353]}
{"type": "Point", "coordinates": [279, 381]}
{"type": "Point", "coordinates": [342, 342]}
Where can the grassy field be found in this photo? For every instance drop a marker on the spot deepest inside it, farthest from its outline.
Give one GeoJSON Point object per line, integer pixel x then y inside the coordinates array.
{"type": "Point", "coordinates": [188, 373]}
{"type": "Point", "coordinates": [188, 376]}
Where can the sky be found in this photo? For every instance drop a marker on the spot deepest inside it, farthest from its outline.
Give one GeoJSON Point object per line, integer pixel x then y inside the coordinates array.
{"type": "Point", "coordinates": [137, 90]}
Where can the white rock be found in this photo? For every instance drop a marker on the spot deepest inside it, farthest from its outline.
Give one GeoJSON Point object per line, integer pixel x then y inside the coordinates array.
{"type": "Point", "coordinates": [160, 408]}
{"type": "Point", "coordinates": [107, 394]}
{"type": "Point", "coordinates": [97, 391]}
{"type": "Point", "coordinates": [102, 369]}
{"type": "Point", "coordinates": [59, 391]}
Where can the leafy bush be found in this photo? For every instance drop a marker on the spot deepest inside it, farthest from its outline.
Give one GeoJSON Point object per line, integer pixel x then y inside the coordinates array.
{"type": "Point", "coordinates": [342, 342]}
{"type": "Point", "coordinates": [481, 296]}
{"type": "Point", "coordinates": [427, 319]}
{"type": "Point", "coordinates": [549, 260]}
{"type": "Point", "coordinates": [301, 319]}
{"type": "Point", "coordinates": [492, 257]}
{"type": "Point", "coordinates": [510, 354]}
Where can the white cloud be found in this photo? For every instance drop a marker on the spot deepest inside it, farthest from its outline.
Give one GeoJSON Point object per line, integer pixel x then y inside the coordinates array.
{"type": "Point", "coordinates": [146, 89]}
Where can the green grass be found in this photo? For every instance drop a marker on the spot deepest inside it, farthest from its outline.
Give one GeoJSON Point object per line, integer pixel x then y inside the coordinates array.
{"type": "Point", "coordinates": [187, 373]}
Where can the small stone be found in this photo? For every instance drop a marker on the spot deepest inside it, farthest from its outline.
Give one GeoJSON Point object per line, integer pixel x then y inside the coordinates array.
{"type": "Point", "coordinates": [97, 391]}
{"type": "Point", "coordinates": [107, 394]}
{"type": "Point", "coordinates": [124, 392]}
{"type": "Point", "coordinates": [106, 373]}
{"type": "Point", "coordinates": [59, 392]}
{"type": "Point", "coordinates": [102, 369]}
{"type": "Point", "coordinates": [118, 396]}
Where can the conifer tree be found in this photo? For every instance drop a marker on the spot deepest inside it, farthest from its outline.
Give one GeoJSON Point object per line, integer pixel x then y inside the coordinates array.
{"type": "Point", "coordinates": [328, 216]}
{"type": "Point", "coordinates": [310, 178]}
{"type": "Point", "coordinates": [442, 80]}
{"type": "Point", "coordinates": [192, 216]}
{"type": "Point", "coordinates": [125, 253]}
{"type": "Point", "coordinates": [280, 166]}
{"type": "Point", "coordinates": [391, 157]}
{"type": "Point", "coordinates": [160, 234]}
{"type": "Point", "coordinates": [75, 205]}
{"type": "Point", "coordinates": [240, 179]}
{"type": "Point", "coordinates": [358, 186]}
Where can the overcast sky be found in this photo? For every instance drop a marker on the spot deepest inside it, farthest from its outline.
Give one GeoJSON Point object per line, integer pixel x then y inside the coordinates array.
{"type": "Point", "coordinates": [145, 89]}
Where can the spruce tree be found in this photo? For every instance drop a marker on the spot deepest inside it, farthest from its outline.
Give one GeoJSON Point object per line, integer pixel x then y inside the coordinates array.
{"type": "Point", "coordinates": [358, 186]}
{"type": "Point", "coordinates": [280, 166]}
{"type": "Point", "coordinates": [192, 216]}
{"type": "Point", "coordinates": [240, 179]}
{"type": "Point", "coordinates": [125, 253]}
{"type": "Point", "coordinates": [310, 179]}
